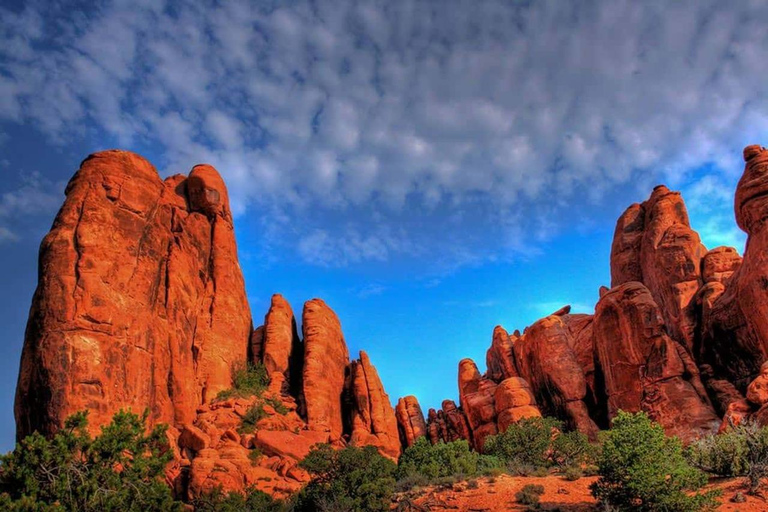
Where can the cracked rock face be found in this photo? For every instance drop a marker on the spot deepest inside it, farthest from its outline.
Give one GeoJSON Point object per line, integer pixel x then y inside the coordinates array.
{"type": "Point", "coordinates": [645, 369]}
{"type": "Point", "coordinates": [140, 301]}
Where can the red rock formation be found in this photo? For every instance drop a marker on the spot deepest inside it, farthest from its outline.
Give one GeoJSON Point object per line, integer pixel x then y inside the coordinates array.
{"type": "Point", "coordinates": [456, 421]}
{"type": "Point", "coordinates": [547, 360]}
{"type": "Point", "coordinates": [654, 244]}
{"type": "Point", "coordinates": [477, 398]}
{"type": "Point", "coordinates": [514, 401]}
{"type": "Point", "coordinates": [140, 301]}
{"type": "Point", "coordinates": [499, 359]}
{"type": "Point", "coordinates": [325, 364]}
{"type": "Point", "coordinates": [645, 369]}
{"type": "Point", "coordinates": [281, 349]}
{"type": "Point", "coordinates": [217, 453]}
{"type": "Point", "coordinates": [372, 416]}
{"type": "Point", "coordinates": [410, 420]}
{"type": "Point", "coordinates": [735, 320]}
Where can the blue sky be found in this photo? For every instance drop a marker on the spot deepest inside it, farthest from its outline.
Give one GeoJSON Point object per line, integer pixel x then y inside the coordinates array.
{"type": "Point", "coordinates": [429, 170]}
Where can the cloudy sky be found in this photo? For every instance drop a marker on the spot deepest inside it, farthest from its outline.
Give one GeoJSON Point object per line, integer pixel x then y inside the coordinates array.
{"type": "Point", "coordinates": [431, 169]}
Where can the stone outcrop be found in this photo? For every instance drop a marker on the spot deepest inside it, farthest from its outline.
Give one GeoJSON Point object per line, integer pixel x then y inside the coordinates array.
{"type": "Point", "coordinates": [514, 401]}
{"type": "Point", "coordinates": [140, 301]}
{"type": "Point", "coordinates": [735, 326]}
{"type": "Point", "coordinates": [655, 245]}
{"type": "Point", "coordinates": [410, 420]}
{"type": "Point", "coordinates": [644, 369]}
{"type": "Point", "coordinates": [281, 350]}
{"type": "Point", "coordinates": [499, 358]}
{"type": "Point", "coordinates": [477, 398]}
{"type": "Point", "coordinates": [372, 416]}
{"type": "Point", "coordinates": [325, 362]}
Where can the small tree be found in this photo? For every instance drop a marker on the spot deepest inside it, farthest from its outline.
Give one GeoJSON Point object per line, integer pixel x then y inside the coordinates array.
{"type": "Point", "coordinates": [119, 470]}
{"type": "Point", "coordinates": [442, 460]}
{"type": "Point", "coordinates": [525, 443]}
{"type": "Point", "coordinates": [742, 450]}
{"type": "Point", "coordinates": [248, 379]}
{"type": "Point", "coordinates": [347, 480]}
{"type": "Point", "coordinates": [642, 469]}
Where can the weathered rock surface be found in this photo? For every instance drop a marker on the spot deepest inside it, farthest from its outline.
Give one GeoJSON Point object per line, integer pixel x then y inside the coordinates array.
{"type": "Point", "coordinates": [499, 359]}
{"type": "Point", "coordinates": [548, 361]}
{"type": "Point", "coordinates": [655, 245]}
{"type": "Point", "coordinates": [325, 363]}
{"type": "Point", "coordinates": [281, 350]}
{"type": "Point", "coordinates": [644, 369]}
{"type": "Point", "coordinates": [514, 401]}
{"type": "Point", "coordinates": [477, 399]}
{"type": "Point", "coordinates": [372, 415]}
{"type": "Point", "coordinates": [448, 424]}
{"type": "Point", "coordinates": [735, 323]}
{"type": "Point", "coordinates": [410, 420]}
{"type": "Point", "coordinates": [140, 301]}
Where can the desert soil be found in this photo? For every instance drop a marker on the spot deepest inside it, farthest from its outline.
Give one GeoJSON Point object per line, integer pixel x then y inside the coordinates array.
{"type": "Point", "coordinates": [498, 493]}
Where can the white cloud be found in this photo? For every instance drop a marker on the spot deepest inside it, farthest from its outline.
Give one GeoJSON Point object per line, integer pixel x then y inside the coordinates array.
{"type": "Point", "coordinates": [6, 235]}
{"type": "Point", "coordinates": [335, 105]}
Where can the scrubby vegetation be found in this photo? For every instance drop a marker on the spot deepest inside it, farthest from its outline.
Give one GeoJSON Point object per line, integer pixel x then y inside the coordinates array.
{"type": "Point", "coordinates": [74, 472]}
{"type": "Point", "coordinates": [248, 379]}
{"type": "Point", "coordinates": [535, 444]}
{"type": "Point", "coordinates": [424, 463]}
{"type": "Point", "coordinates": [644, 470]}
{"type": "Point", "coordinates": [639, 468]}
{"type": "Point", "coordinates": [351, 479]}
{"type": "Point", "coordinates": [740, 451]}
{"type": "Point", "coordinates": [253, 500]}
{"type": "Point", "coordinates": [252, 416]}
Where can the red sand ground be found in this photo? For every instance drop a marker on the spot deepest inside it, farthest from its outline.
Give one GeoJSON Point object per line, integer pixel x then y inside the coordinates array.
{"type": "Point", "coordinates": [498, 493]}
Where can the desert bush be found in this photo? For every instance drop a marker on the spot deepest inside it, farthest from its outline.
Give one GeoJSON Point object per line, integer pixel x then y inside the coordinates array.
{"type": "Point", "coordinates": [524, 443]}
{"type": "Point", "coordinates": [253, 500]}
{"type": "Point", "coordinates": [277, 405]}
{"type": "Point", "coordinates": [351, 479]}
{"type": "Point", "coordinates": [453, 460]}
{"type": "Point", "coordinates": [572, 473]}
{"type": "Point", "coordinates": [248, 379]}
{"type": "Point", "coordinates": [121, 469]}
{"type": "Point", "coordinates": [252, 416]}
{"type": "Point", "coordinates": [742, 450]}
{"type": "Point", "coordinates": [644, 470]}
{"type": "Point", "coordinates": [529, 495]}
{"type": "Point", "coordinates": [572, 449]}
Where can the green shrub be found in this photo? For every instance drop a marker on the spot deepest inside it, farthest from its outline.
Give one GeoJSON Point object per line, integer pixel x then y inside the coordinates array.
{"type": "Point", "coordinates": [642, 469]}
{"type": "Point", "coordinates": [439, 460]}
{"type": "Point", "coordinates": [252, 416]}
{"type": "Point", "coordinates": [524, 443]}
{"type": "Point", "coordinates": [248, 379]}
{"type": "Point", "coordinates": [740, 451]}
{"type": "Point", "coordinates": [253, 500]}
{"type": "Point", "coordinates": [572, 473]}
{"type": "Point", "coordinates": [254, 455]}
{"type": "Point", "coordinates": [74, 472]}
{"type": "Point", "coordinates": [277, 405]}
{"type": "Point", "coordinates": [351, 479]}
{"type": "Point", "coordinates": [572, 449]}
{"type": "Point", "coordinates": [529, 495]}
